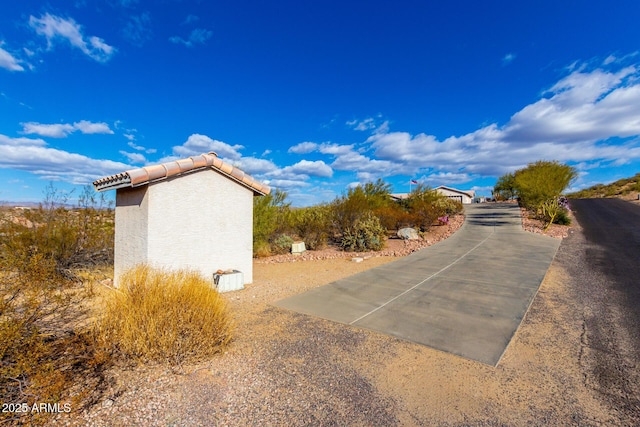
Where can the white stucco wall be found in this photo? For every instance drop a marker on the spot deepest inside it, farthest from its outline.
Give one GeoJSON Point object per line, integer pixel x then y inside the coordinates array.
{"type": "Point", "coordinates": [131, 229]}
{"type": "Point", "coordinates": [455, 195]}
{"type": "Point", "coordinates": [202, 221]}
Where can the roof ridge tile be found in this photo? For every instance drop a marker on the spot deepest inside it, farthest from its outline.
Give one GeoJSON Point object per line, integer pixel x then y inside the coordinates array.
{"type": "Point", "coordinates": [153, 173]}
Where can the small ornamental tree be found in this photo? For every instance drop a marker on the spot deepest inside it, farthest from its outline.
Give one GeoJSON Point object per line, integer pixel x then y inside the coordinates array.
{"type": "Point", "coordinates": [538, 187]}
{"type": "Point", "coordinates": [505, 188]}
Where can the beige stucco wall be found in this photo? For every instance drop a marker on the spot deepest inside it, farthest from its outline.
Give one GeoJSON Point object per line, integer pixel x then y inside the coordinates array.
{"type": "Point", "coordinates": [202, 221]}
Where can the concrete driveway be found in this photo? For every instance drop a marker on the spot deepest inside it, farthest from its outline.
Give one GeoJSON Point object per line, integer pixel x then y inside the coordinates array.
{"type": "Point", "coordinates": [465, 295]}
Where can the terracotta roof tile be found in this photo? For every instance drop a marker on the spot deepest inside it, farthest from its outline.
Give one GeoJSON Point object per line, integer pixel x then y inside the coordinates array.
{"type": "Point", "coordinates": [149, 174]}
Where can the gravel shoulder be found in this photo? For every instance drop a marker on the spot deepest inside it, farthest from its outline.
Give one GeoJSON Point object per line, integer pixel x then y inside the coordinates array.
{"type": "Point", "coordinates": [285, 368]}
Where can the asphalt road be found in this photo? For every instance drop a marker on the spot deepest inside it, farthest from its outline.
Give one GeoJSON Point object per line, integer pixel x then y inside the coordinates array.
{"type": "Point", "coordinates": [603, 261]}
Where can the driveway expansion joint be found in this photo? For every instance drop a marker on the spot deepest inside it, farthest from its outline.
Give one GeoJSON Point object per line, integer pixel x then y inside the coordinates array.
{"type": "Point", "coordinates": [472, 311]}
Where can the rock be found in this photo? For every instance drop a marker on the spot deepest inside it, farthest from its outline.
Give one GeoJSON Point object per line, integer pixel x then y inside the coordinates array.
{"type": "Point", "coordinates": [408, 234]}
{"type": "Point", "coordinates": [357, 259]}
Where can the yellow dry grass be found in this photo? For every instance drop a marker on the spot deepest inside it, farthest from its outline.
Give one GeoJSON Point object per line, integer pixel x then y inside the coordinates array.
{"type": "Point", "coordinates": [164, 316]}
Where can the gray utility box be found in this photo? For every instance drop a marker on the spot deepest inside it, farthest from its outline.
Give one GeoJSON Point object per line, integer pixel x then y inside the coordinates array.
{"type": "Point", "coordinates": [228, 281]}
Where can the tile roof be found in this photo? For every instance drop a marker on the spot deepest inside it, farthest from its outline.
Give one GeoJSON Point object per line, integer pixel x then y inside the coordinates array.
{"type": "Point", "coordinates": [154, 173]}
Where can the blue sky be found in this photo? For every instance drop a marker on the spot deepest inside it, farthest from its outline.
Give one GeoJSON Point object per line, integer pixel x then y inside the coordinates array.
{"type": "Point", "coordinates": [316, 96]}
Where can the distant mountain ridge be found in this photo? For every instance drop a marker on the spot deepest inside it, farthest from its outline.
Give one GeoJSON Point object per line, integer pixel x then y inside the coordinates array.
{"type": "Point", "coordinates": [625, 188]}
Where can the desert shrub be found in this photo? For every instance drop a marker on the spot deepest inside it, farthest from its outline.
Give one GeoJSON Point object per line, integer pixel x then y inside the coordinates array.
{"type": "Point", "coordinates": [562, 218]}
{"type": "Point", "coordinates": [426, 205]}
{"type": "Point", "coordinates": [269, 220]}
{"type": "Point", "coordinates": [359, 202]}
{"type": "Point", "coordinates": [164, 316]}
{"type": "Point", "coordinates": [394, 216]}
{"type": "Point", "coordinates": [44, 350]}
{"type": "Point", "coordinates": [447, 206]}
{"type": "Point", "coordinates": [70, 237]}
{"type": "Point", "coordinates": [312, 225]}
{"type": "Point", "coordinates": [262, 249]}
{"type": "Point", "coordinates": [348, 210]}
{"type": "Point", "coordinates": [282, 244]}
{"type": "Point", "coordinates": [636, 184]}
{"type": "Point", "coordinates": [366, 235]}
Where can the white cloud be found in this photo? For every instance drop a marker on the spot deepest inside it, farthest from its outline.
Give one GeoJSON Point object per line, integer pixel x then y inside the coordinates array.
{"type": "Point", "coordinates": [575, 121]}
{"type": "Point", "coordinates": [62, 130]}
{"type": "Point", "coordinates": [5, 140]}
{"type": "Point", "coordinates": [369, 124]}
{"type": "Point", "coordinates": [335, 149]}
{"type": "Point", "coordinates": [197, 36]}
{"type": "Point", "coordinates": [197, 144]}
{"type": "Point", "coordinates": [87, 127]}
{"type": "Point", "coordinates": [254, 166]}
{"type": "Point", "coordinates": [306, 168]}
{"type": "Point", "coordinates": [508, 58]}
{"type": "Point", "coordinates": [52, 164]}
{"type": "Point", "coordinates": [363, 125]}
{"type": "Point", "coordinates": [303, 148]}
{"type": "Point", "coordinates": [8, 61]}
{"type": "Point", "coordinates": [316, 168]}
{"type": "Point", "coordinates": [134, 157]}
{"type": "Point", "coordinates": [53, 131]}
{"type": "Point", "coordinates": [190, 19]}
{"type": "Point", "coordinates": [138, 29]}
{"type": "Point", "coordinates": [54, 27]}
{"type": "Point", "coordinates": [285, 184]}
{"type": "Point", "coordinates": [444, 178]}
{"type": "Point", "coordinates": [582, 106]}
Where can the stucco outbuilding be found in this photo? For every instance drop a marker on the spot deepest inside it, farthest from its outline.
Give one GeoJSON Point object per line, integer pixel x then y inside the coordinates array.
{"type": "Point", "coordinates": [194, 213]}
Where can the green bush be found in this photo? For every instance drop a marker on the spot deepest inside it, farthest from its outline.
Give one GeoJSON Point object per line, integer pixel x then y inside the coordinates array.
{"type": "Point", "coordinates": [538, 187]}
{"type": "Point", "coordinates": [359, 202]}
{"type": "Point", "coordinates": [505, 188]}
{"type": "Point", "coordinates": [282, 244]}
{"type": "Point", "coordinates": [426, 206]}
{"type": "Point", "coordinates": [542, 182]}
{"type": "Point", "coordinates": [269, 219]}
{"type": "Point", "coordinates": [312, 225]}
{"type": "Point", "coordinates": [164, 316]}
{"type": "Point", "coordinates": [366, 235]}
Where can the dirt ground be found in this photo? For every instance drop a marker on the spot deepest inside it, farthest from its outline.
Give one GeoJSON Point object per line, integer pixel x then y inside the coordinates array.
{"type": "Point", "coordinates": [285, 368]}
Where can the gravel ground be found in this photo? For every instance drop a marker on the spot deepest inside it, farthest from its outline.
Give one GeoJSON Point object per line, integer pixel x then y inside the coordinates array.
{"type": "Point", "coordinates": [285, 368]}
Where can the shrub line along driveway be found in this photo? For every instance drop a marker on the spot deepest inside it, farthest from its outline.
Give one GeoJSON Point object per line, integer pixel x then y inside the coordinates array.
{"type": "Point", "coordinates": [465, 295]}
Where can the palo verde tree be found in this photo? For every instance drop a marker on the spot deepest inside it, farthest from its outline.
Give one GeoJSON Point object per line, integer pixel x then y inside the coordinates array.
{"type": "Point", "coordinates": [505, 188]}
{"type": "Point", "coordinates": [539, 186]}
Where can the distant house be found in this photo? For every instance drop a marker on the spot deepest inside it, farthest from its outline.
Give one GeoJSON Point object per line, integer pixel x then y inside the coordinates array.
{"type": "Point", "coordinates": [194, 213]}
{"type": "Point", "coordinates": [465, 197]}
